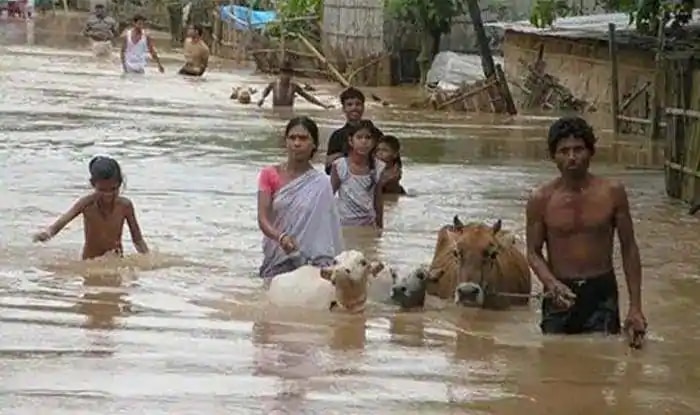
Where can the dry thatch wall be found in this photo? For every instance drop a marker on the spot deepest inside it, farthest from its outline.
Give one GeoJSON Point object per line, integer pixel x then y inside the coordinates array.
{"type": "Point", "coordinates": [353, 28]}
{"type": "Point", "coordinates": [582, 65]}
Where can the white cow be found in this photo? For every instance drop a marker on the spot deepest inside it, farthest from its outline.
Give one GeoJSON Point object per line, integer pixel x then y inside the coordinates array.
{"type": "Point", "coordinates": [343, 284]}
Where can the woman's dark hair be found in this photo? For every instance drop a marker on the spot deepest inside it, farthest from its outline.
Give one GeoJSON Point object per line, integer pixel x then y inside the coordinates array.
{"type": "Point", "coordinates": [139, 18]}
{"type": "Point", "coordinates": [351, 93]}
{"type": "Point", "coordinates": [309, 125]}
{"type": "Point", "coordinates": [105, 168]}
{"type": "Point", "coordinates": [394, 145]}
{"type": "Point", "coordinates": [566, 127]}
{"type": "Point", "coordinates": [198, 28]}
{"type": "Point", "coordinates": [376, 134]}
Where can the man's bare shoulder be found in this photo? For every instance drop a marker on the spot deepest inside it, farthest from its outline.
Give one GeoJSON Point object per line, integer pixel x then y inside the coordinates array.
{"type": "Point", "coordinates": [543, 191]}
{"type": "Point", "coordinates": [612, 186]}
{"type": "Point", "coordinates": [615, 189]}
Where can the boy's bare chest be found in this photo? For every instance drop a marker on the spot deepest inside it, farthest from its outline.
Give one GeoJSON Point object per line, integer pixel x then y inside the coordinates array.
{"type": "Point", "coordinates": [104, 221]}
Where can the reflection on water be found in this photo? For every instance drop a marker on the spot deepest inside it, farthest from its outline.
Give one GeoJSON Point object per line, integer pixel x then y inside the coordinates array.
{"type": "Point", "coordinates": [185, 330]}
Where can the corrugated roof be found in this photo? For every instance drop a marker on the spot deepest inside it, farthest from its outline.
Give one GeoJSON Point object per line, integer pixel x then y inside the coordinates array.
{"type": "Point", "coordinates": [593, 26]}
{"type": "Point", "coordinates": [596, 23]}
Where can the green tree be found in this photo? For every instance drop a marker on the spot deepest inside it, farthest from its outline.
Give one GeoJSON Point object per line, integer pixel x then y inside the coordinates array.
{"type": "Point", "coordinates": [432, 19]}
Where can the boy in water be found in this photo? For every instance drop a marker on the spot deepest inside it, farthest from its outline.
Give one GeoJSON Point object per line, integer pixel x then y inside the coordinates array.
{"type": "Point", "coordinates": [104, 213]}
{"type": "Point", "coordinates": [284, 90]}
{"type": "Point", "coordinates": [353, 102]}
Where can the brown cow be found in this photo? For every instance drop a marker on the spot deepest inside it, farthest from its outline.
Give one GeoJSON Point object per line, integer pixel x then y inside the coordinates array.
{"type": "Point", "coordinates": [491, 267]}
{"type": "Point", "coordinates": [453, 273]}
{"type": "Point", "coordinates": [445, 265]}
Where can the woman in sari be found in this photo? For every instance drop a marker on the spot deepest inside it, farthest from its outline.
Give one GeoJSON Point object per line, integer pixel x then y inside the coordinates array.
{"type": "Point", "coordinates": [297, 212]}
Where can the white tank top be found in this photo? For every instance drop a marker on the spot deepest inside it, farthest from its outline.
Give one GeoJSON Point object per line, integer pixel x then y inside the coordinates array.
{"type": "Point", "coordinates": [136, 54]}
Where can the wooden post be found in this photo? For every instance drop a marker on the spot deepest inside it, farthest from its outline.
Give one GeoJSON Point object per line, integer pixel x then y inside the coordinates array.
{"type": "Point", "coordinates": [614, 87]}
{"type": "Point", "coordinates": [283, 35]}
{"type": "Point", "coordinates": [483, 41]}
{"type": "Point", "coordinates": [505, 91]}
{"type": "Point", "coordinates": [658, 84]}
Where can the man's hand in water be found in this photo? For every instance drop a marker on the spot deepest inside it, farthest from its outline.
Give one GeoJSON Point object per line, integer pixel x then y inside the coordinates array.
{"type": "Point", "coordinates": [261, 102]}
{"type": "Point", "coordinates": [288, 244]}
{"type": "Point", "coordinates": [160, 68]}
{"type": "Point", "coordinates": [561, 295]}
{"type": "Point", "coordinates": [635, 327]}
{"type": "Point", "coordinates": [42, 236]}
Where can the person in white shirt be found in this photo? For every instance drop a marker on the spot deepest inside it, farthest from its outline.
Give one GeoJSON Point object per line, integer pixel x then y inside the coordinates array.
{"type": "Point", "coordinates": [136, 47]}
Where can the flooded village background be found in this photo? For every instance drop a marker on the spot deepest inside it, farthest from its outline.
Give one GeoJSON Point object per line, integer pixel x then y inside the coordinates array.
{"type": "Point", "coordinates": [184, 331]}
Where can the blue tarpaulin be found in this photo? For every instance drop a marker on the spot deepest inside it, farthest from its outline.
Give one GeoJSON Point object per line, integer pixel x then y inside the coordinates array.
{"type": "Point", "coordinates": [244, 17]}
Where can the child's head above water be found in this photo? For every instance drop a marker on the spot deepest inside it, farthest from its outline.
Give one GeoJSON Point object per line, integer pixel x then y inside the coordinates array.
{"type": "Point", "coordinates": [362, 138]}
{"type": "Point", "coordinates": [389, 150]}
{"type": "Point", "coordinates": [353, 102]}
{"type": "Point", "coordinates": [105, 175]}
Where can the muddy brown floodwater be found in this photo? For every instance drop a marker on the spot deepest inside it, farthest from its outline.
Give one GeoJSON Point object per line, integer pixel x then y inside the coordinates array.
{"type": "Point", "coordinates": [183, 331]}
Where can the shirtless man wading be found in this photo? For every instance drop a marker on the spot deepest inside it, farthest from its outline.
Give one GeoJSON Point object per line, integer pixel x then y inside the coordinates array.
{"type": "Point", "coordinates": [284, 90]}
{"type": "Point", "coordinates": [576, 215]}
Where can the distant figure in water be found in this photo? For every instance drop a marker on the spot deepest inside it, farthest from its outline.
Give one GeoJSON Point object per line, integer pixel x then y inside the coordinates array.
{"type": "Point", "coordinates": [101, 29]}
{"type": "Point", "coordinates": [196, 53]}
{"type": "Point", "coordinates": [389, 151]}
{"type": "Point", "coordinates": [136, 47]}
{"type": "Point", "coordinates": [284, 90]}
{"type": "Point", "coordinates": [104, 213]}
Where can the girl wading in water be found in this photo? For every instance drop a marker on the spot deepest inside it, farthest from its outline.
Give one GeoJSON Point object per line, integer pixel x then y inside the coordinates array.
{"type": "Point", "coordinates": [104, 213]}
{"type": "Point", "coordinates": [296, 208]}
{"type": "Point", "coordinates": [359, 178]}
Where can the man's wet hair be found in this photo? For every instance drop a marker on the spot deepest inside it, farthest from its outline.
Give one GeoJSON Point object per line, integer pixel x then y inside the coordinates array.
{"type": "Point", "coordinates": [99, 6]}
{"type": "Point", "coordinates": [105, 168]}
{"type": "Point", "coordinates": [351, 93]}
{"type": "Point", "coordinates": [198, 28]}
{"type": "Point", "coordinates": [139, 18]}
{"type": "Point", "coordinates": [566, 127]}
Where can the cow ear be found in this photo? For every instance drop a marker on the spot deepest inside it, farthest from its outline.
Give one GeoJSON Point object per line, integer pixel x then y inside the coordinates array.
{"type": "Point", "coordinates": [497, 226]}
{"type": "Point", "coordinates": [327, 274]}
{"type": "Point", "coordinates": [458, 225]}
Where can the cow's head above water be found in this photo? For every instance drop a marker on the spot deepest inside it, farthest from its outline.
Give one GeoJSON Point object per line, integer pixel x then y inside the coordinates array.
{"type": "Point", "coordinates": [477, 252]}
{"type": "Point", "coordinates": [350, 276]}
{"type": "Point", "coordinates": [442, 273]}
{"type": "Point", "coordinates": [408, 291]}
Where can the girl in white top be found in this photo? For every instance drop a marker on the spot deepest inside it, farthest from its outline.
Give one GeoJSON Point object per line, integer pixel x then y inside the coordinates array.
{"type": "Point", "coordinates": [136, 47]}
{"type": "Point", "coordinates": [358, 179]}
